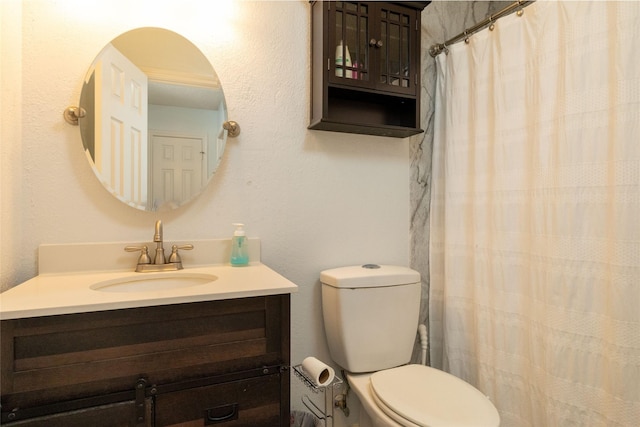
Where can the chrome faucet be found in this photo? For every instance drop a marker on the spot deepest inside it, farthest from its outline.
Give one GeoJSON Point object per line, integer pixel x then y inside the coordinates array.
{"type": "Point", "coordinates": [160, 263]}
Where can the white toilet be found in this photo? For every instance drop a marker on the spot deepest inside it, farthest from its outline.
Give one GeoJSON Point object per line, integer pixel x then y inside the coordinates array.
{"type": "Point", "coordinates": [371, 318]}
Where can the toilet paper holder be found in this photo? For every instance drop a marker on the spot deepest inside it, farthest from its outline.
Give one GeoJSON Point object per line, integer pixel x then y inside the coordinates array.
{"type": "Point", "coordinates": [324, 414]}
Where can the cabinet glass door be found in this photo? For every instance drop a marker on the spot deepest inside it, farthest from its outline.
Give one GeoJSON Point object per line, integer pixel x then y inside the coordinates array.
{"type": "Point", "coordinates": [374, 46]}
{"type": "Point", "coordinates": [395, 67]}
{"type": "Point", "coordinates": [351, 39]}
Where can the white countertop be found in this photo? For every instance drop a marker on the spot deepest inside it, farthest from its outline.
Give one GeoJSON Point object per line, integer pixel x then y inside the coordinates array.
{"type": "Point", "coordinates": [70, 292]}
{"type": "Point", "coordinates": [52, 294]}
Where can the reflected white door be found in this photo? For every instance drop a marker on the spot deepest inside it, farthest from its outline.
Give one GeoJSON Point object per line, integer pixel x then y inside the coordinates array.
{"type": "Point", "coordinates": [121, 126]}
{"type": "Point", "coordinates": [177, 168]}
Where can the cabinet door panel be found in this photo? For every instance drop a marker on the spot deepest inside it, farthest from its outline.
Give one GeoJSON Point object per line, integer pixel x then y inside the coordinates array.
{"type": "Point", "coordinates": [397, 67]}
{"type": "Point", "coordinates": [350, 51]}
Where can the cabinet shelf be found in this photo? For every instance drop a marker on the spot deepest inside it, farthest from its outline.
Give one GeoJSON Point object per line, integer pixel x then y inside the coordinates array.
{"type": "Point", "coordinates": [370, 113]}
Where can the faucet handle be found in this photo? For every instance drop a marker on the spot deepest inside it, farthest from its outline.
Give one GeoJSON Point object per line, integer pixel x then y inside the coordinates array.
{"type": "Point", "coordinates": [175, 256]}
{"type": "Point", "coordinates": [144, 253]}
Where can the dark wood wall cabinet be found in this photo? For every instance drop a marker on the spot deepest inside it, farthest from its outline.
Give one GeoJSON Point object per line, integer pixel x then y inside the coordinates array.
{"type": "Point", "coordinates": [366, 67]}
{"type": "Point", "coordinates": [220, 363]}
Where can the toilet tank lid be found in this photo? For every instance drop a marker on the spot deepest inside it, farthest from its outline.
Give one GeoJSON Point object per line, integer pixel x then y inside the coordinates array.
{"type": "Point", "coordinates": [369, 276]}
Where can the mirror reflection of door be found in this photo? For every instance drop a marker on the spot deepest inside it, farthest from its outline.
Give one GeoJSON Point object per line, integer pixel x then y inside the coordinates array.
{"type": "Point", "coordinates": [121, 126]}
{"type": "Point", "coordinates": [169, 86]}
{"type": "Point", "coordinates": [177, 168]}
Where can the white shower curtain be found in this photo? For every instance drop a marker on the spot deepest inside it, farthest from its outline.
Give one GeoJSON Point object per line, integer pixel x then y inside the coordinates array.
{"type": "Point", "coordinates": [535, 215]}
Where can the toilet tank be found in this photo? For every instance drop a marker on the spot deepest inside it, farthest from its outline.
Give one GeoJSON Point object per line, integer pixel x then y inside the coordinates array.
{"type": "Point", "coordinates": [370, 315]}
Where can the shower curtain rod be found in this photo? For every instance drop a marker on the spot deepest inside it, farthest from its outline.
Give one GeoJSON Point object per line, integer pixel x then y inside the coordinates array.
{"type": "Point", "coordinates": [437, 48]}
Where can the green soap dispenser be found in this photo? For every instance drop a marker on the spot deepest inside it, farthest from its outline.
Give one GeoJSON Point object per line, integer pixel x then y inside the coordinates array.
{"type": "Point", "coordinates": [239, 248]}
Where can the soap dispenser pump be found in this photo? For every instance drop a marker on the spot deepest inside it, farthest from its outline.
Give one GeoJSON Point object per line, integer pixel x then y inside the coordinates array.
{"type": "Point", "coordinates": [239, 249]}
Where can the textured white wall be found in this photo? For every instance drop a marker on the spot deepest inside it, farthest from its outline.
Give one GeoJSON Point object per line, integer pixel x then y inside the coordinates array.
{"type": "Point", "coordinates": [316, 199]}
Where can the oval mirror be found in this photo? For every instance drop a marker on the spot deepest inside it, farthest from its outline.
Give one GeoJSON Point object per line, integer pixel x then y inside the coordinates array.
{"type": "Point", "coordinates": [153, 119]}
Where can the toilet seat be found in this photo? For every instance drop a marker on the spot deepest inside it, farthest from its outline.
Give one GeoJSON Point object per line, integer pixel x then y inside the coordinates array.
{"type": "Point", "coordinates": [390, 412]}
{"type": "Point", "coordinates": [420, 396]}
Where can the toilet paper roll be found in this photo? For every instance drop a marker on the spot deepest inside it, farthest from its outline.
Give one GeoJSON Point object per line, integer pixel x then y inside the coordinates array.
{"type": "Point", "coordinates": [318, 372]}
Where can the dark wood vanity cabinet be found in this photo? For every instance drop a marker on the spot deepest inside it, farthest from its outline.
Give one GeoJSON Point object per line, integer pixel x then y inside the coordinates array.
{"type": "Point", "coordinates": [207, 363]}
{"type": "Point", "coordinates": [366, 67]}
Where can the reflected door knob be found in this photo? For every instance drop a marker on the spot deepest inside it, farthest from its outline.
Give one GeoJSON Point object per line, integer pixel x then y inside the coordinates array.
{"type": "Point", "coordinates": [375, 43]}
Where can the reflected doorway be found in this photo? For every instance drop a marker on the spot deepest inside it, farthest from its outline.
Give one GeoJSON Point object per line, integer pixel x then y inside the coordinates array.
{"type": "Point", "coordinates": [177, 165]}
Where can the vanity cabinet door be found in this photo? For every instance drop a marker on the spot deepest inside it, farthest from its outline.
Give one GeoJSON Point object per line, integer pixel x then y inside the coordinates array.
{"type": "Point", "coordinates": [253, 402]}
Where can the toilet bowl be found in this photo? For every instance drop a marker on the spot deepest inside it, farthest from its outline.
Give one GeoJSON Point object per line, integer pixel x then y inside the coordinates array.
{"type": "Point", "coordinates": [370, 315]}
{"type": "Point", "coordinates": [420, 396]}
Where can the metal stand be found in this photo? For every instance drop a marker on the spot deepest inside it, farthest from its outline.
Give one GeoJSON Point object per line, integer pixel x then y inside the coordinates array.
{"type": "Point", "coordinates": [324, 414]}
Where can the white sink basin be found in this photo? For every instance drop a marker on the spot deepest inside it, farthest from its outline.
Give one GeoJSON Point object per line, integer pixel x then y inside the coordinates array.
{"type": "Point", "coordinates": [144, 282]}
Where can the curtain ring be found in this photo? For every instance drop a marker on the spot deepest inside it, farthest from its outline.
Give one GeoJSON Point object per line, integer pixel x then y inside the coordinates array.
{"type": "Point", "coordinates": [492, 26]}
{"type": "Point", "coordinates": [466, 38]}
{"type": "Point", "coordinates": [520, 10]}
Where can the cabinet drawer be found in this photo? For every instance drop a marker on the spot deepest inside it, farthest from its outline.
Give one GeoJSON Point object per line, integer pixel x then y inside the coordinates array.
{"type": "Point", "coordinates": [253, 402]}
